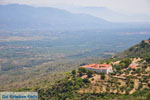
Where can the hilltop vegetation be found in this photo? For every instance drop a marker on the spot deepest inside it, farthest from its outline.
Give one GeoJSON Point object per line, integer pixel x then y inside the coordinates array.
{"type": "Point", "coordinates": [140, 50]}
{"type": "Point", "coordinates": [124, 83]}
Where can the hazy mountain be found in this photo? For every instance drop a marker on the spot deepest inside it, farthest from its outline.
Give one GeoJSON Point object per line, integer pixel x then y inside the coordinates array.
{"type": "Point", "coordinates": [110, 15]}
{"type": "Point", "coordinates": [22, 16]}
{"type": "Point", "coordinates": [99, 12]}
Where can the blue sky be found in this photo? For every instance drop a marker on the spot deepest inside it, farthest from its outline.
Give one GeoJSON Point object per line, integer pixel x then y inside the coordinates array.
{"type": "Point", "coordinates": [128, 6]}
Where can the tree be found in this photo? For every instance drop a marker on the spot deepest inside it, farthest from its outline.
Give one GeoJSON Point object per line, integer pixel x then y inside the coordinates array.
{"type": "Point", "coordinates": [90, 73]}
{"type": "Point", "coordinates": [122, 64]}
{"type": "Point", "coordinates": [73, 72]}
{"type": "Point", "coordinates": [147, 59]}
{"type": "Point", "coordinates": [86, 80]}
{"type": "Point", "coordinates": [140, 86]}
{"type": "Point", "coordinates": [82, 64]}
{"type": "Point", "coordinates": [83, 70]}
{"type": "Point", "coordinates": [80, 73]}
{"type": "Point", "coordinates": [102, 76]}
{"type": "Point", "coordinates": [148, 96]}
{"type": "Point", "coordinates": [108, 62]}
{"type": "Point", "coordinates": [126, 61]}
{"type": "Point", "coordinates": [127, 91]}
{"type": "Point", "coordinates": [122, 88]}
{"type": "Point", "coordinates": [107, 89]}
{"type": "Point", "coordinates": [118, 68]}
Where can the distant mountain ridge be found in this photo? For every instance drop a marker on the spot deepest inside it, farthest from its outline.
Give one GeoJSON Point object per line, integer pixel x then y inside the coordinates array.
{"type": "Point", "coordinates": [16, 16]}
{"type": "Point", "coordinates": [100, 12]}
{"type": "Point", "coordinates": [24, 17]}
{"type": "Point", "coordinates": [111, 15]}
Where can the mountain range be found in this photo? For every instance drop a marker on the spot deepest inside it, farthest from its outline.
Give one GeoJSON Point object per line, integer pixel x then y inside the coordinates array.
{"type": "Point", "coordinates": [110, 15]}
{"type": "Point", "coordinates": [24, 17]}
{"type": "Point", "coordinates": [16, 16]}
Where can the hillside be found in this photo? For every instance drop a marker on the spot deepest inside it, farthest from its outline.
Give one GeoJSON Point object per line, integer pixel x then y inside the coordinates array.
{"type": "Point", "coordinates": [130, 80]}
{"type": "Point", "coordinates": [140, 50]}
{"type": "Point", "coordinates": [124, 83]}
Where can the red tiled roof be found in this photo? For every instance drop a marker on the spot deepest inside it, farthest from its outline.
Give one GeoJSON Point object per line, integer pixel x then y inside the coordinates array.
{"type": "Point", "coordinates": [97, 66]}
{"type": "Point", "coordinates": [133, 66]}
{"type": "Point", "coordinates": [147, 41]}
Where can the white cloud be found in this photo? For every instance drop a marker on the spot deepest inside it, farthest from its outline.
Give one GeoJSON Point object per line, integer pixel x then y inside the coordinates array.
{"type": "Point", "coordinates": [130, 6]}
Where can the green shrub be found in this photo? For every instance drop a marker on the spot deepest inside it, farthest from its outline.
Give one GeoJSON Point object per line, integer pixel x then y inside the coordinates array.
{"type": "Point", "coordinates": [86, 80]}
{"type": "Point", "coordinates": [90, 73]}
{"type": "Point", "coordinates": [73, 72]}
{"type": "Point", "coordinates": [102, 76]}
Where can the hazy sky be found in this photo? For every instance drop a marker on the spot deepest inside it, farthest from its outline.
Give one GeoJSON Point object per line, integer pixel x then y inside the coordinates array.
{"type": "Point", "coordinates": [130, 6]}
